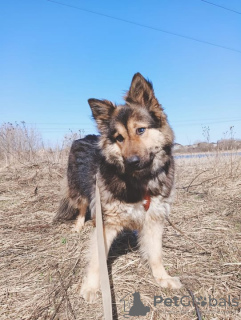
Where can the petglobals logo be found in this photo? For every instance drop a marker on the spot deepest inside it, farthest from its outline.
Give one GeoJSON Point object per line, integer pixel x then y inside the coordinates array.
{"type": "Point", "coordinates": [187, 301]}
{"type": "Point", "coordinates": [133, 306]}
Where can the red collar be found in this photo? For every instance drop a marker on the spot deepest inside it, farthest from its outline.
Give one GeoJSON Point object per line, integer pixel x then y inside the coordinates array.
{"type": "Point", "coordinates": [146, 201]}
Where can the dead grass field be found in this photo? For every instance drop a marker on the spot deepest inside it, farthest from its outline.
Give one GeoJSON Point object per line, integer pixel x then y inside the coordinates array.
{"type": "Point", "coordinates": [42, 264]}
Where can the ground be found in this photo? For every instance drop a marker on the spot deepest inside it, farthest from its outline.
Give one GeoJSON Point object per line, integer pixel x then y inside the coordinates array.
{"type": "Point", "coordinates": [42, 264]}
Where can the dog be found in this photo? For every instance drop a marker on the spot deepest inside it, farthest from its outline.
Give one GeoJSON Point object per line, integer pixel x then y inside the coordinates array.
{"type": "Point", "coordinates": [132, 158]}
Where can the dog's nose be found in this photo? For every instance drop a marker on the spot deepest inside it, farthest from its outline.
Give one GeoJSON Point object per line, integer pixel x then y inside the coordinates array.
{"type": "Point", "coordinates": [133, 161]}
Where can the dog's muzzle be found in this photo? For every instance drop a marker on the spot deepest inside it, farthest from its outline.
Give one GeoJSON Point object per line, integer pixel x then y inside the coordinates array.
{"type": "Point", "coordinates": [133, 162]}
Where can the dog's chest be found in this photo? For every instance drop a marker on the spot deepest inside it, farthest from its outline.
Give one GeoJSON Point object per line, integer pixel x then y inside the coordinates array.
{"type": "Point", "coordinates": [134, 215]}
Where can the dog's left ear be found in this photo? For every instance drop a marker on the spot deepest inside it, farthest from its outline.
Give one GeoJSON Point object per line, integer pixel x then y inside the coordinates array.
{"type": "Point", "coordinates": [141, 92]}
{"type": "Point", "coordinates": [101, 111]}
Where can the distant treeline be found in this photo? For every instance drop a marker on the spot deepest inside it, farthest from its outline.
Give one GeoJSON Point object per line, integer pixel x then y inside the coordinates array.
{"type": "Point", "coordinates": [221, 145]}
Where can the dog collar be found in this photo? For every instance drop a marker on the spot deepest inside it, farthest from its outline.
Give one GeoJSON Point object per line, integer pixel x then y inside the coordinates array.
{"type": "Point", "coordinates": [146, 201]}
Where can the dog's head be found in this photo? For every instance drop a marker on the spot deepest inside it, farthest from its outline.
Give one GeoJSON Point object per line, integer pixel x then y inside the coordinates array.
{"type": "Point", "coordinates": [134, 136]}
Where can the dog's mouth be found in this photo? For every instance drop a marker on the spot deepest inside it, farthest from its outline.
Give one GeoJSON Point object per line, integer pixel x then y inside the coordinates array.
{"type": "Point", "coordinates": [144, 167]}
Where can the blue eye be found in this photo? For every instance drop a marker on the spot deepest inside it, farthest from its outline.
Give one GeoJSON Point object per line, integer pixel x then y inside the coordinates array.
{"type": "Point", "coordinates": [140, 131]}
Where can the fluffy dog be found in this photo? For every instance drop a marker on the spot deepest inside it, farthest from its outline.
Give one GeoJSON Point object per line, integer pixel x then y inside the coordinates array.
{"type": "Point", "coordinates": [133, 160]}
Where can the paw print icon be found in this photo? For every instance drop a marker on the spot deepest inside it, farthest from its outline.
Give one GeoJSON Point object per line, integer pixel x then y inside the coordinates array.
{"type": "Point", "coordinates": [201, 301]}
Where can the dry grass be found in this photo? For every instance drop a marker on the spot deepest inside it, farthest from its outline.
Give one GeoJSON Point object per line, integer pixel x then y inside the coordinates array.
{"type": "Point", "coordinates": [42, 264]}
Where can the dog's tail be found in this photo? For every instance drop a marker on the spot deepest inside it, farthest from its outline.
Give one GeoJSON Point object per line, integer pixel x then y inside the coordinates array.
{"type": "Point", "coordinates": [66, 210]}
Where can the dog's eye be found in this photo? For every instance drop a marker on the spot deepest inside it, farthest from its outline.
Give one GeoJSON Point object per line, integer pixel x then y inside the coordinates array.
{"type": "Point", "coordinates": [140, 131]}
{"type": "Point", "coordinates": [119, 138]}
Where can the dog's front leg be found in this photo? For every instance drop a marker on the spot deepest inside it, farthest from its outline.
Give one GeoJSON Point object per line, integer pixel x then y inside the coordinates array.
{"type": "Point", "coordinates": [150, 239]}
{"type": "Point", "coordinates": [91, 282]}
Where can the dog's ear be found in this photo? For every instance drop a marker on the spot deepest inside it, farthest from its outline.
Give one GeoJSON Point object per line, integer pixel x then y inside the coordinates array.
{"type": "Point", "coordinates": [101, 111]}
{"type": "Point", "coordinates": [141, 92]}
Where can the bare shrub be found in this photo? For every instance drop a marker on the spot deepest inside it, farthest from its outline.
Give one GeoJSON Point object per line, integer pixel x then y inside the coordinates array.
{"type": "Point", "coordinates": [229, 144]}
{"type": "Point", "coordinates": [71, 136]}
{"type": "Point", "coordinates": [19, 143]}
{"type": "Point", "coordinates": [206, 133]}
{"type": "Point", "coordinates": [205, 147]}
{"type": "Point", "coordinates": [59, 154]}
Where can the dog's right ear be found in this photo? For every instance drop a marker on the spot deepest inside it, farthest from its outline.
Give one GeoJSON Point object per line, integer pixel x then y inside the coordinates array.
{"type": "Point", "coordinates": [101, 111]}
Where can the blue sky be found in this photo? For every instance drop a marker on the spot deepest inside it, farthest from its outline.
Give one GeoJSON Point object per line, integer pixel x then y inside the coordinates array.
{"type": "Point", "coordinates": [53, 58]}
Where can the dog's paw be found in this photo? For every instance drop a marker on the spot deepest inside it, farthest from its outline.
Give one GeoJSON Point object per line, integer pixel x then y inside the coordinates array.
{"type": "Point", "coordinates": [89, 292]}
{"type": "Point", "coordinates": [77, 227]}
{"type": "Point", "coordinates": [79, 224]}
{"type": "Point", "coordinates": [172, 283]}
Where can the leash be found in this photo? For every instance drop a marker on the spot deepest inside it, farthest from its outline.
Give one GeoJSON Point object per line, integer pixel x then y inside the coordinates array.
{"type": "Point", "coordinates": [102, 254]}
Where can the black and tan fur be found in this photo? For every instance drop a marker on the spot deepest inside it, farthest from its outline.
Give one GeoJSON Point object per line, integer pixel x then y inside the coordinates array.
{"type": "Point", "coordinates": [132, 157]}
